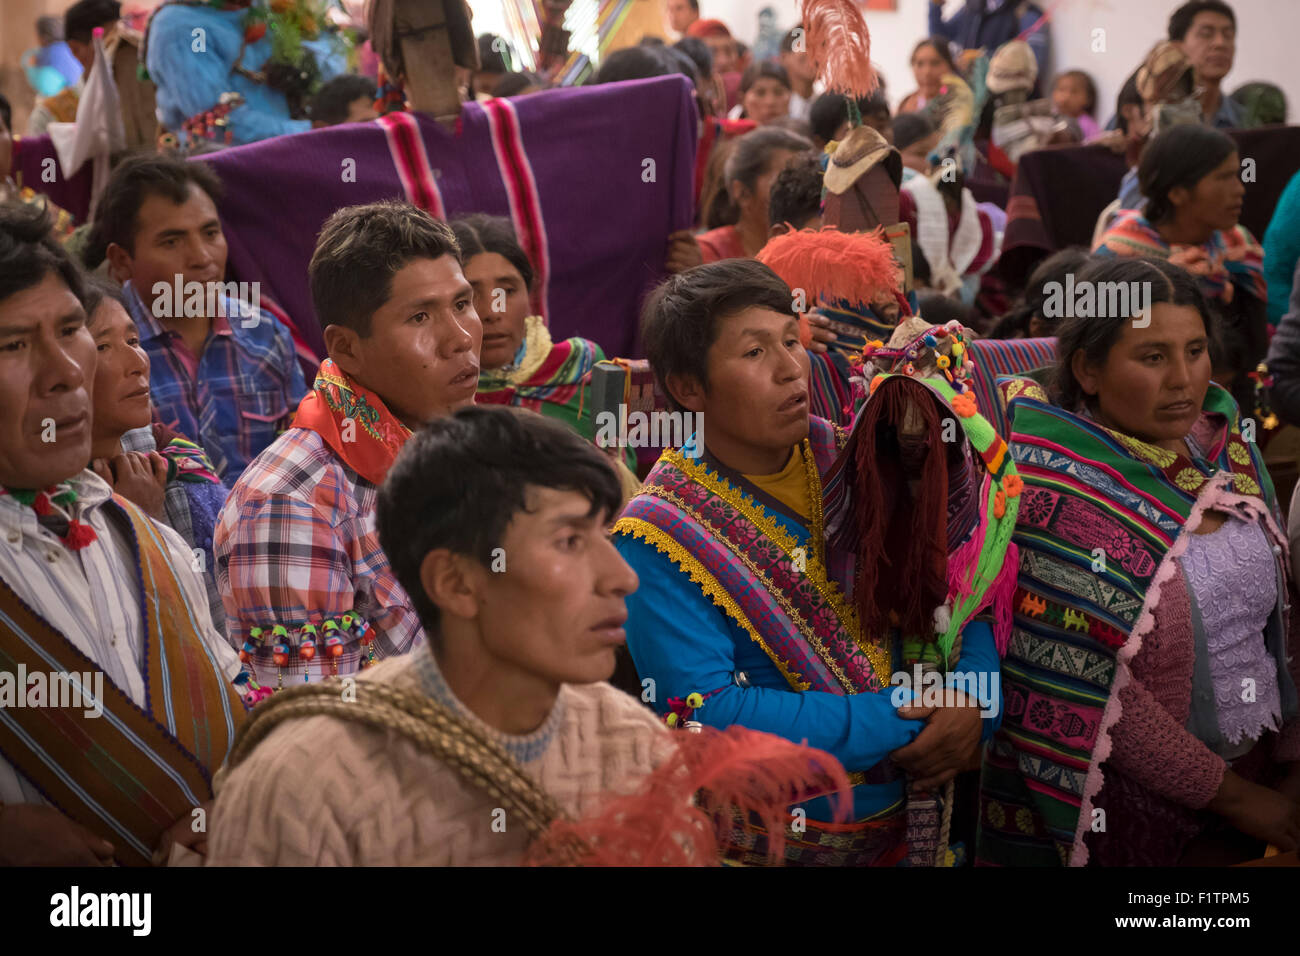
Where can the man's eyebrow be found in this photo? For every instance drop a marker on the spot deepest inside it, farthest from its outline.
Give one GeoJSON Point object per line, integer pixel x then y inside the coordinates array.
{"type": "Point", "coordinates": [8, 330]}
{"type": "Point", "coordinates": [580, 519]}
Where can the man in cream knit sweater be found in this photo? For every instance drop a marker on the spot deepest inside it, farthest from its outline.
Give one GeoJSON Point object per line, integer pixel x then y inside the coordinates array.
{"type": "Point", "coordinates": [495, 523]}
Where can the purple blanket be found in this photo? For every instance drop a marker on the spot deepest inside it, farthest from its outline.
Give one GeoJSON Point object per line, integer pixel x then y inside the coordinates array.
{"type": "Point", "coordinates": [30, 154]}
{"type": "Point", "coordinates": [572, 168]}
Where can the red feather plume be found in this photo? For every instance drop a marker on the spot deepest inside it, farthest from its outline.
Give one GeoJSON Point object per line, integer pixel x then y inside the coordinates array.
{"type": "Point", "coordinates": [831, 265]}
{"type": "Point", "coordinates": [840, 45]}
{"type": "Point", "coordinates": [665, 823]}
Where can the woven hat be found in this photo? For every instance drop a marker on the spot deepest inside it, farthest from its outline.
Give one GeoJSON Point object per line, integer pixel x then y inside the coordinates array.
{"type": "Point", "coordinates": [1166, 75]}
{"type": "Point", "coordinates": [857, 153]}
{"type": "Point", "coordinates": [1013, 67]}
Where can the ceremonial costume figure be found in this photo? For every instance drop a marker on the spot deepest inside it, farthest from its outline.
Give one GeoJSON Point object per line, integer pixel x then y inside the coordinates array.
{"type": "Point", "coordinates": [230, 71]}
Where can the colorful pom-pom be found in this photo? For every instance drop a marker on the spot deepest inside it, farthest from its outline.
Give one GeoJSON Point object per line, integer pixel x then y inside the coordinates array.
{"type": "Point", "coordinates": [943, 361]}
{"type": "Point", "coordinates": [694, 701]}
{"type": "Point", "coordinates": [999, 505]}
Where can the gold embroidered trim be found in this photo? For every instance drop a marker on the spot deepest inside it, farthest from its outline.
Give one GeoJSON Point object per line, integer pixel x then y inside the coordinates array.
{"type": "Point", "coordinates": [640, 528]}
{"type": "Point", "coordinates": [814, 568]}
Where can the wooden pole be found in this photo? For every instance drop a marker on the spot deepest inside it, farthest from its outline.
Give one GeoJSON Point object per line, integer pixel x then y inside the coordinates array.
{"type": "Point", "coordinates": [421, 29]}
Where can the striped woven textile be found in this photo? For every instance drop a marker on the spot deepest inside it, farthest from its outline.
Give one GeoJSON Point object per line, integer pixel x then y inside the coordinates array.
{"type": "Point", "coordinates": [996, 357]}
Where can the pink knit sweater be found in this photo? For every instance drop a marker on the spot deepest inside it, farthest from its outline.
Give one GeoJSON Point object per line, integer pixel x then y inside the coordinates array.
{"type": "Point", "coordinates": [324, 792]}
{"type": "Point", "coordinates": [1150, 743]}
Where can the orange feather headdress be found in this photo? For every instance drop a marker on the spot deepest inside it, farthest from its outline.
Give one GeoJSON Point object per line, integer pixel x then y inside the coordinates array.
{"type": "Point", "coordinates": [840, 46]}
{"type": "Point", "coordinates": [834, 266]}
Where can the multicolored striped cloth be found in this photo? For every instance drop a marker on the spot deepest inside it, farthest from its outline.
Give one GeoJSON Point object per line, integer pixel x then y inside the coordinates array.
{"type": "Point", "coordinates": [1102, 521]}
{"type": "Point", "coordinates": [1234, 255]}
{"type": "Point", "coordinates": [997, 357]}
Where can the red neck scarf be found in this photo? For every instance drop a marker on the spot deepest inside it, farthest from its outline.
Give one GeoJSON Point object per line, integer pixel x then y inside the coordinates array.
{"type": "Point", "coordinates": [354, 422]}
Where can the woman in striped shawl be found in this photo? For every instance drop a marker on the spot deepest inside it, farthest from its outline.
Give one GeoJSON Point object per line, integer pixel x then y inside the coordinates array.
{"type": "Point", "coordinates": [1150, 717]}
{"type": "Point", "coordinates": [1191, 176]}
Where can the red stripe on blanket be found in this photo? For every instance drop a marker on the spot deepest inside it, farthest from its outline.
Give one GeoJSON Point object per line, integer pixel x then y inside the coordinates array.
{"type": "Point", "coordinates": [412, 162]}
{"type": "Point", "coordinates": [521, 190]}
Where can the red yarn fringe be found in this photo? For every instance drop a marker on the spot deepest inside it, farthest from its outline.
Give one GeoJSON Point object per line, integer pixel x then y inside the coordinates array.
{"type": "Point", "coordinates": [840, 45]}
{"type": "Point", "coordinates": [79, 535]}
{"type": "Point", "coordinates": [903, 538]}
{"type": "Point", "coordinates": [669, 822]}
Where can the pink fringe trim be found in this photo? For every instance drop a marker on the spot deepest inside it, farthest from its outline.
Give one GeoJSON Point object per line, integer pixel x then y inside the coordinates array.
{"type": "Point", "coordinates": [1215, 496]}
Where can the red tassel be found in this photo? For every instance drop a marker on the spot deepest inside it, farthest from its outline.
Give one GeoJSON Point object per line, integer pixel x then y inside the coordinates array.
{"type": "Point", "coordinates": [79, 535]}
{"type": "Point", "coordinates": [903, 539]}
{"type": "Point", "coordinates": [659, 825]}
{"type": "Point", "coordinates": [41, 505]}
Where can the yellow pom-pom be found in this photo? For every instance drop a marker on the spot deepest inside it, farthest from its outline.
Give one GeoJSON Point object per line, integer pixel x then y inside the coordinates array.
{"type": "Point", "coordinates": [694, 701]}
{"type": "Point", "coordinates": [943, 361]}
{"type": "Point", "coordinates": [958, 348]}
{"type": "Point", "coordinates": [672, 720]}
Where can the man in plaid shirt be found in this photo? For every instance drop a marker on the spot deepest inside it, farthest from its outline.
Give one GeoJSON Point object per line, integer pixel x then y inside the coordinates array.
{"type": "Point", "coordinates": [296, 545]}
{"type": "Point", "coordinates": [223, 373]}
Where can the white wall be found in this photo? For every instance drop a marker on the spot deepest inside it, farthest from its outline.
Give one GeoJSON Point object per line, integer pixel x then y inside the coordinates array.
{"type": "Point", "coordinates": [1266, 33]}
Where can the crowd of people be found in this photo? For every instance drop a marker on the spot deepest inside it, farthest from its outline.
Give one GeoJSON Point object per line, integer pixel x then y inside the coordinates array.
{"type": "Point", "coordinates": [950, 567]}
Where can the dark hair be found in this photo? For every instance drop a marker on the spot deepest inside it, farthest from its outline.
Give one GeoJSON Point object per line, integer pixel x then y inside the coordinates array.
{"type": "Point", "coordinates": [512, 84]}
{"type": "Point", "coordinates": [1182, 155]}
{"type": "Point", "coordinates": [1180, 21]}
{"type": "Point", "coordinates": [1095, 336]}
{"type": "Point", "coordinates": [331, 102]}
{"type": "Point", "coordinates": [829, 110]}
{"type": "Point", "coordinates": [492, 60]}
{"type": "Point", "coordinates": [80, 19]}
{"type": "Point", "coordinates": [1128, 96]}
{"type": "Point", "coordinates": [360, 249]}
{"type": "Point", "coordinates": [459, 481]}
{"type": "Point", "coordinates": [796, 193]}
{"type": "Point", "coordinates": [681, 62]}
{"type": "Point", "coordinates": [940, 46]}
{"type": "Point", "coordinates": [911, 128]}
{"type": "Point", "coordinates": [940, 309]}
{"type": "Point", "coordinates": [482, 233]}
{"type": "Point", "coordinates": [1029, 303]}
{"type": "Point", "coordinates": [633, 63]}
{"type": "Point", "coordinates": [763, 69]}
{"type": "Point", "coordinates": [1263, 103]}
{"type": "Point", "coordinates": [1089, 88]}
{"type": "Point", "coordinates": [28, 252]}
{"type": "Point", "coordinates": [98, 288]}
{"type": "Point", "coordinates": [699, 53]}
{"type": "Point", "coordinates": [117, 216]}
{"type": "Point", "coordinates": [679, 322]}
{"type": "Point", "coordinates": [6, 113]}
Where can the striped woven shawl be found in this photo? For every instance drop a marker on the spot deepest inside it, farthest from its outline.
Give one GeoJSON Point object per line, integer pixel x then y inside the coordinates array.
{"type": "Point", "coordinates": [131, 772]}
{"type": "Point", "coordinates": [1101, 522]}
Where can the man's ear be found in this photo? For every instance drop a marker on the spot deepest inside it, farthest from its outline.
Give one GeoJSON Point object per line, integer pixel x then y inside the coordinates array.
{"type": "Point", "coordinates": [777, 229]}
{"type": "Point", "coordinates": [450, 582]}
{"type": "Point", "coordinates": [120, 265]}
{"type": "Point", "coordinates": [342, 345]}
{"type": "Point", "coordinates": [686, 390]}
{"type": "Point", "coordinates": [1084, 372]}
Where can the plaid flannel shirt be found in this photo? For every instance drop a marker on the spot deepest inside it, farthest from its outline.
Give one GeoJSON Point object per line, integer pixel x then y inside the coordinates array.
{"type": "Point", "coordinates": [296, 543]}
{"type": "Point", "coordinates": [238, 396]}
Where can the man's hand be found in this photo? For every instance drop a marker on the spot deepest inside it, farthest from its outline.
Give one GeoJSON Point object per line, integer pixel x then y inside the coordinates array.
{"type": "Point", "coordinates": [140, 477]}
{"type": "Point", "coordinates": [822, 336]}
{"type": "Point", "coordinates": [683, 251]}
{"type": "Point", "coordinates": [945, 746]}
{"type": "Point", "coordinates": [33, 835]}
{"type": "Point", "coordinates": [182, 833]}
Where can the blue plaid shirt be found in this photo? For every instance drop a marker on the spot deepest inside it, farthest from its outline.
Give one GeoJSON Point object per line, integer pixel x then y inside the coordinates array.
{"type": "Point", "coordinates": [240, 394]}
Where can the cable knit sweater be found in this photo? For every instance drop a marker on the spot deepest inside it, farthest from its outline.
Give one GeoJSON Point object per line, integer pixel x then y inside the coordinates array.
{"type": "Point", "coordinates": [319, 791]}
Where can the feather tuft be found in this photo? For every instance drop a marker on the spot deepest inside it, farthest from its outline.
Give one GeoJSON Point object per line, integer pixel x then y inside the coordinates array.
{"type": "Point", "coordinates": [679, 815]}
{"type": "Point", "coordinates": [834, 266]}
{"type": "Point", "coordinates": [840, 46]}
